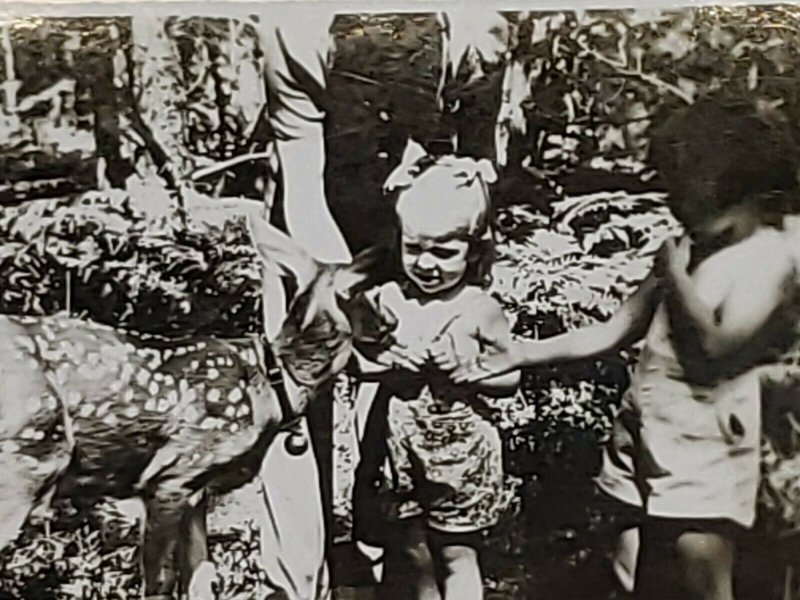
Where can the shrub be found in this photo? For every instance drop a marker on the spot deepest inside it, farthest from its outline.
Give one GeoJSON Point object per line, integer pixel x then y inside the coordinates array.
{"type": "Point", "coordinates": [104, 258]}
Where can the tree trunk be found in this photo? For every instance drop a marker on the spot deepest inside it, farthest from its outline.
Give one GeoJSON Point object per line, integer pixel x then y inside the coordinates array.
{"type": "Point", "coordinates": [156, 88]}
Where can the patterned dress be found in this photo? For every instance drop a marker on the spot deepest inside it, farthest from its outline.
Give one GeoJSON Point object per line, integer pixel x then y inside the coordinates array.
{"type": "Point", "coordinates": [445, 455]}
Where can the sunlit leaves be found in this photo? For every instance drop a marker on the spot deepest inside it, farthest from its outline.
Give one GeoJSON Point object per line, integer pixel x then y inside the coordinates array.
{"type": "Point", "coordinates": [104, 258]}
{"type": "Point", "coordinates": [613, 71]}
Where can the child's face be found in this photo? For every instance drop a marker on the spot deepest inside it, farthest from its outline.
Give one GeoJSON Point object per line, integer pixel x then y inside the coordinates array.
{"type": "Point", "coordinates": [434, 263]}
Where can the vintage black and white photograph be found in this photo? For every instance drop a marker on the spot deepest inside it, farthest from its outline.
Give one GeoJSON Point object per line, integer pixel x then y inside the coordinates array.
{"type": "Point", "coordinates": [446, 301]}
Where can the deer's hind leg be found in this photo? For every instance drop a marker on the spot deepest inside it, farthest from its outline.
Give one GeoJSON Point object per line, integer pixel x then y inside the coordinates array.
{"type": "Point", "coordinates": [18, 495]}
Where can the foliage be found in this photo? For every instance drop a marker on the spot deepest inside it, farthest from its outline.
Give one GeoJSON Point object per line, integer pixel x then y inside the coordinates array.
{"type": "Point", "coordinates": [93, 556]}
{"type": "Point", "coordinates": [104, 257]}
{"type": "Point", "coordinates": [72, 561]}
{"type": "Point", "coordinates": [596, 83]}
{"type": "Point", "coordinates": [556, 273]}
{"type": "Point", "coordinates": [578, 264]}
{"type": "Point", "coordinates": [599, 79]}
{"type": "Point", "coordinates": [55, 62]}
{"type": "Point", "coordinates": [220, 85]}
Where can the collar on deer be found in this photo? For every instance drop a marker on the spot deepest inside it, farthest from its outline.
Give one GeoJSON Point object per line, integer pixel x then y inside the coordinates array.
{"type": "Point", "coordinates": [276, 381]}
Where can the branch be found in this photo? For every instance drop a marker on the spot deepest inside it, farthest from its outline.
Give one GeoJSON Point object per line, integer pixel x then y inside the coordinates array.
{"type": "Point", "coordinates": [204, 172]}
{"type": "Point", "coordinates": [63, 86]}
{"type": "Point", "coordinates": [623, 69]}
{"type": "Point", "coordinates": [197, 83]}
{"type": "Point", "coordinates": [164, 163]}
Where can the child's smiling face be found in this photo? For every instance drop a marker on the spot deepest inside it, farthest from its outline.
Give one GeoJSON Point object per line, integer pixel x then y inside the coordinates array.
{"type": "Point", "coordinates": [435, 263]}
{"type": "Point", "coordinates": [440, 216]}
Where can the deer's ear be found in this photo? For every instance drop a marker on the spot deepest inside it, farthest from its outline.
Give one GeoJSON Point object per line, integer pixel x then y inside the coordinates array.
{"type": "Point", "coordinates": [366, 267]}
{"type": "Point", "coordinates": [280, 253]}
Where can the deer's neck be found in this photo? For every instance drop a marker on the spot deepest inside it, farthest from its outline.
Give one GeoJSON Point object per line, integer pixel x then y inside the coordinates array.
{"type": "Point", "coordinates": [283, 399]}
{"type": "Point", "coordinates": [299, 398]}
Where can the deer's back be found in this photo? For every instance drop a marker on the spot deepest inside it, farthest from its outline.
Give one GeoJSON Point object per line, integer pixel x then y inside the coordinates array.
{"type": "Point", "coordinates": [173, 410]}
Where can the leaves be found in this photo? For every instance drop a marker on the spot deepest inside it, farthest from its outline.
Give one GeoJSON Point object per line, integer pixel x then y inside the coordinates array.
{"type": "Point", "coordinates": [603, 77]}
{"type": "Point", "coordinates": [94, 557]}
{"type": "Point", "coordinates": [105, 258]}
{"type": "Point", "coordinates": [597, 248]}
{"type": "Point", "coordinates": [568, 271]}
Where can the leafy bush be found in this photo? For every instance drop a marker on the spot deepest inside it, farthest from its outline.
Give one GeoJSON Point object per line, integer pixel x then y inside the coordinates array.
{"type": "Point", "coordinates": [111, 258]}
{"type": "Point", "coordinates": [555, 273]}
{"type": "Point", "coordinates": [599, 79]}
{"type": "Point", "coordinates": [104, 258]}
{"type": "Point", "coordinates": [566, 271]}
{"type": "Point", "coordinates": [94, 556]}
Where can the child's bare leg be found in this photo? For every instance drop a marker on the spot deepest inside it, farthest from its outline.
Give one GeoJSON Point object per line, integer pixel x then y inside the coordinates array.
{"type": "Point", "coordinates": [458, 567]}
{"type": "Point", "coordinates": [461, 573]}
{"type": "Point", "coordinates": [706, 561]}
{"type": "Point", "coordinates": [686, 560]}
{"type": "Point", "coordinates": [409, 572]}
{"type": "Point", "coordinates": [625, 558]}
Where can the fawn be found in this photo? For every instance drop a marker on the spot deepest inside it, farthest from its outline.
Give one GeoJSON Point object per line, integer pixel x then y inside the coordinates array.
{"type": "Point", "coordinates": [90, 411]}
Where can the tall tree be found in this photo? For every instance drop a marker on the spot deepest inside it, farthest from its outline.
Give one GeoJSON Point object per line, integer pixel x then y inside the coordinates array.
{"type": "Point", "coordinates": [158, 92]}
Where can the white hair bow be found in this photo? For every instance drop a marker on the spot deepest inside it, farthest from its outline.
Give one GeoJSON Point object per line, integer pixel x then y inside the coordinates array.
{"type": "Point", "coordinates": [412, 165]}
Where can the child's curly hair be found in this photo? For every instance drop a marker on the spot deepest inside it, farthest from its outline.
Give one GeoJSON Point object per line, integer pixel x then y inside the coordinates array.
{"type": "Point", "coordinates": [463, 174]}
{"type": "Point", "coordinates": [713, 156]}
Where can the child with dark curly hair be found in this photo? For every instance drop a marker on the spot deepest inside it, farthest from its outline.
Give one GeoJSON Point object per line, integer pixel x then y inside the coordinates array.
{"type": "Point", "coordinates": [685, 447]}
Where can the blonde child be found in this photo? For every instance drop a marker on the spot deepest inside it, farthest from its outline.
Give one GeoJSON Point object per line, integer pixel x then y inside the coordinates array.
{"type": "Point", "coordinates": [686, 440]}
{"type": "Point", "coordinates": [444, 457]}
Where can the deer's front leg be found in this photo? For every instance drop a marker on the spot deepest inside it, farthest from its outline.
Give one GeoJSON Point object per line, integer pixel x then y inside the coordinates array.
{"type": "Point", "coordinates": [196, 570]}
{"type": "Point", "coordinates": [165, 512]}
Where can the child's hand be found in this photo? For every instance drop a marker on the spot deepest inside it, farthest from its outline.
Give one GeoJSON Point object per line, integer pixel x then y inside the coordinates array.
{"type": "Point", "coordinates": [398, 356]}
{"type": "Point", "coordinates": [443, 354]}
{"type": "Point", "coordinates": [672, 261]}
{"type": "Point", "coordinates": [679, 253]}
{"type": "Point", "coordinates": [497, 357]}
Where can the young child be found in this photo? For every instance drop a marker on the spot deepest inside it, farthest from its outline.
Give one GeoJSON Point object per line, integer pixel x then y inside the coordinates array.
{"type": "Point", "coordinates": [447, 479]}
{"type": "Point", "coordinates": [686, 440]}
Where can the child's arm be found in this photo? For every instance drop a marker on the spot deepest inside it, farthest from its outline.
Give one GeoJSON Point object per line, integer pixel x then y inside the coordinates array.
{"type": "Point", "coordinates": [376, 356]}
{"type": "Point", "coordinates": [492, 323]}
{"type": "Point", "coordinates": [456, 342]}
{"type": "Point", "coordinates": [628, 324]}
{"type": "Point", "coordinates": [754, 297]}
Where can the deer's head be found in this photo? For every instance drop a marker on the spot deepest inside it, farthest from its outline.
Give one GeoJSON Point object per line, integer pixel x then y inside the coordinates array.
{"type": "Point", "coordinates": [328, 310]}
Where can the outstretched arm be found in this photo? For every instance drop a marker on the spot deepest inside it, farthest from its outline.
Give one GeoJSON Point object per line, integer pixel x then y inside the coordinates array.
{"type": "Point", "coordinates": [489, 323]}
{"type": "Point", "coordinates": [628, 324]}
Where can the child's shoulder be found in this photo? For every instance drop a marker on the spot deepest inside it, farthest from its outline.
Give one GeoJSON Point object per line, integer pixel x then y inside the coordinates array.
{"type": "Point", "coordinates": [761, 262]}
{"type": "Point", "coordinates": [481, 304]}
{"type": "Point", "coordinates": [766, 249]}
{"type": "Point", "coordinates": [765, 252]}
{"type": "Point", "coordinates": [791, 233]}
{"type": "Point", "coordinates": [479, 296]}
